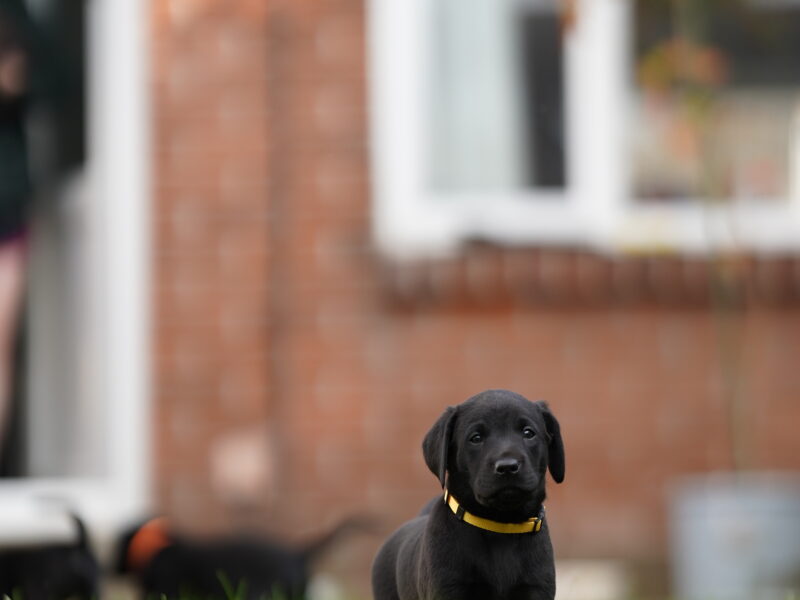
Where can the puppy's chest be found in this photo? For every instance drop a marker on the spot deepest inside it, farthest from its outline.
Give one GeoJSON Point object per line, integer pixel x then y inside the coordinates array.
{"type": "Point", "coordinates": [509, 564]}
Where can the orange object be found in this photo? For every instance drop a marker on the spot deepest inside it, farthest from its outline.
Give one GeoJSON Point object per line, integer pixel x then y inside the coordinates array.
{"type": "Point", "coordinates": [569, 16]}
{"type": "Point", "coordinates": [148, 541]}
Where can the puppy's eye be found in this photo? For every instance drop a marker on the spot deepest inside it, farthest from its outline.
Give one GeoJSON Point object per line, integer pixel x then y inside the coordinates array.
{"type": "Point", "coordinates": [528, 433]}
{"type": "Point", "coordinates": [476, 438]}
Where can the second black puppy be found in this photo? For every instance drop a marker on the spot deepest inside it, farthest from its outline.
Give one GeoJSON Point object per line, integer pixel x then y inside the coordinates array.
{"type": "Point", "coordinates": [487, 539]}
{"type": "Point", "coordinates": [171, 566]}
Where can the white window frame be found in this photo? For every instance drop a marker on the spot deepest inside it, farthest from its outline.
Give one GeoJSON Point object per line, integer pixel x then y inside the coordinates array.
{"type": "Point", "coordinates": [596, 209]}
{"type": "Point", "coordinates": [115, 185]}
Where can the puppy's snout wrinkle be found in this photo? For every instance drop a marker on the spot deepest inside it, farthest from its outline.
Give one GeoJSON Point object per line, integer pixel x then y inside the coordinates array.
{"type": "Point", "coordinates": [507, 466]}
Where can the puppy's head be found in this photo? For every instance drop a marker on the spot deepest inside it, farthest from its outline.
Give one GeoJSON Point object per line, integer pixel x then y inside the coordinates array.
{"type": "Point", "coordinates": [493, 451]}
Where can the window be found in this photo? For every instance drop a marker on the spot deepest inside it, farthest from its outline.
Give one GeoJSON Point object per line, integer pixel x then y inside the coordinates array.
{"type": "Point", "coordinates": [716, 93]}
{"type": "Point", "coordinates": [533, 122]}
{"type": "Point", "coordinates": [83, 428]}
{"type": "Point", "coordinates": [496, 106]}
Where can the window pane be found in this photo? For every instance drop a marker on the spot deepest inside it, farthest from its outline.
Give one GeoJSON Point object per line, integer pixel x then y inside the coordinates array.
{"type": "Point", "coordinates": [497, 95]}
{"type": "Point", "coordinates": [716, 91]}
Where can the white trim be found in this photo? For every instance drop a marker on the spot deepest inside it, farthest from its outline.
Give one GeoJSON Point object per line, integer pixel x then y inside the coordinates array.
{"type": "Point", "coordinates": [117, 188]}
{"type": "Point", "coordinates": [410, 219]}
{"type": "Point", "coordinates": [597, 73]}
{"type": "Point", "coordinates": [120, 141]}
{"type": "Point", "coordinates": [597, 208]}
{"type": "Point", "coordinates": [700, 228]}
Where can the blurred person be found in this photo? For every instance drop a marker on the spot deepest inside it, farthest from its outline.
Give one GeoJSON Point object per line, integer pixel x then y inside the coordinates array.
{"type": "Point", "coordinates": [31, 71]}
{"type": "Point", "coordinates": [15, 188]}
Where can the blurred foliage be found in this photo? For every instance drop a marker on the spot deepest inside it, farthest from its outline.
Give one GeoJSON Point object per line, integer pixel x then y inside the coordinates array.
{"type": "Point", "coordinates": [748, 35]}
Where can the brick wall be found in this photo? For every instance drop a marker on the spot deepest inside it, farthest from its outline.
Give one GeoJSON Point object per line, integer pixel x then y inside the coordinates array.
{"type": "Point", "coordinates": [211, 241]}
{"type": "Point", "coordinates": [284, 342]}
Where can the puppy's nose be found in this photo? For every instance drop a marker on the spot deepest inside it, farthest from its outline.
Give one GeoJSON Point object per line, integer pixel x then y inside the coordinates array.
{"type": "Point", "coordinates": [507, 466]}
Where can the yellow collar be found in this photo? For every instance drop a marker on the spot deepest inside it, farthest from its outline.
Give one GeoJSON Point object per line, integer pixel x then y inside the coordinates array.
{"type": "Point", "coordinates": [534, 524]}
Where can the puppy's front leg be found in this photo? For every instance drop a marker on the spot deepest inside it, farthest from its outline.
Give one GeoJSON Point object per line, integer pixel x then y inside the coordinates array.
{"type": "Point", "coordinates": [483, 591]}
{"type": "Point", "coordinates": [460, 590]}
{"type": "Point", "coordinates": [532, 592]}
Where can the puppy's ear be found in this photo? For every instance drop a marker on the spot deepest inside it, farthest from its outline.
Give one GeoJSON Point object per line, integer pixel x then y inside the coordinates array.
{"type": "Point", "coordinates": [437, 443]}
{"type": "Point", "coordinates": [555, 448]}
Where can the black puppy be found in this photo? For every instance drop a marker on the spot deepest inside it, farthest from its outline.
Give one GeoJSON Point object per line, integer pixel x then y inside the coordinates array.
{"type": "Point", "coordinates": [51, 572]}
{"type": "Point", "coordinates": [167, 565]}
{"type": "Point", "coordinates": [487, 539]}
